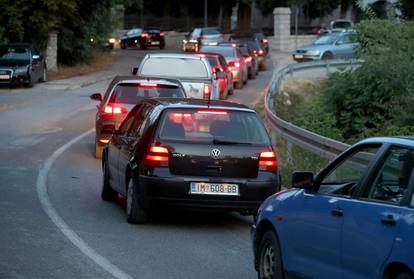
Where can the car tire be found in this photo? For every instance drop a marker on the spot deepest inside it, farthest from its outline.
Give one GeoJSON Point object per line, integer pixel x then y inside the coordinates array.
{"type": "Point", "coordinates": [135, 213]}
{"type": "Point", "coordinates": [270, 260]}
{"type": "Point", "coordinates": [123, 45]}
{"type": "Point", "coordinates": [43, 78]}
{"type": "Point", "coordinates": [162, 47]}
{"type": "Point", "coordinates": [327, 56]}
{"type": "Point", "coordinates": [29, 84]}
{"type": "Point", "coordinates": [251, 74]}
{"type": "Point", "coordinates": [238, 85]}
{"type": "Point", "coordinates": [98, 150]}
{"type": "Point", "coordinates": [263, 66]}
{"type": "Point", "coordinates": [107, 194]}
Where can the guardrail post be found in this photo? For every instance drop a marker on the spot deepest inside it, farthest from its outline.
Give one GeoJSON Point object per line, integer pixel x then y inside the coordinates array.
{"type": "Point", "coordinates": [328, 67]}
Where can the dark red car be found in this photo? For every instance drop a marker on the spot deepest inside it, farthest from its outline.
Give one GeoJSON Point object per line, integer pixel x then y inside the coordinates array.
{"type": "Point", "coordinates": [218, 63]}
{"type": "Point", "coordinates": [123, 93]}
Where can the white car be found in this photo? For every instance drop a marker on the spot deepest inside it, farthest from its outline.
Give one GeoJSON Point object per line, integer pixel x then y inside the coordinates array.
{"type": "Point", "coordinates": [194, 72]}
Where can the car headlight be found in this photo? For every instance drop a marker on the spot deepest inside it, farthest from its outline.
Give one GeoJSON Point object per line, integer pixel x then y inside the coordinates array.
{"type": "Point", "coordinates": [20, 71]}
{"type": "Point", "coordinates": [112, 40]}
{"type": "Point", "coordinates": [313, 52]}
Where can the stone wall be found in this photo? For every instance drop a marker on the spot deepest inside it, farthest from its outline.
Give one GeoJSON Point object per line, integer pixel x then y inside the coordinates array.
{"type": "Point", "coordinates": [51, 52]}
{"type": "Point", "coordinates": [282, 40]}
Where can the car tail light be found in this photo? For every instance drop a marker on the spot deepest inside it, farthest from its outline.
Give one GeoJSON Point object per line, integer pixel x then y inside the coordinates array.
{"type": "Point", "coordinates": [267, 161]}
{"type": "Point", "coordinates": [215, 112]}
{"type": "Point", "coordinates": [222, 36]}
{"type": "Point", "coordinates": [147, 84]}
{"type": "Point", "coordinates": [206, 92]}
{"type": "Point", "coordinates": [202, 38]}
{"type": "Point", "coordinates": [157, 156]}
{"type": "Point", "coordinates": [114, 110]}
{"type": "Point", "coordinates": [234, 64]}
{"type": "Point", "coordinates": [260, 52]}
{"type": "Point", "coordinates": [255, 53]}
{"type": "Point", "coordinates": [162, 34]}
{"type": "Point", "coordinates": [265, 41]}
{"type": "Point", "coordinates": [144, 35]}
{"type": "Point", "coordinates": [233, 45]}
{"type": "Point", "coordinates": [248, 59]}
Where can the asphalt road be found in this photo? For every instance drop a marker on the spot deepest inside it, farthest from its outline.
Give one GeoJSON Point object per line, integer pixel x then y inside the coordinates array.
{"type": "Point", "coordinates": [53, 223]}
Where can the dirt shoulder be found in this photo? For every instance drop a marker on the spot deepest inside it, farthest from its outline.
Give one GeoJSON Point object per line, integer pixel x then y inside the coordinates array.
{"type": "Point", "coordinates": [101, 61]}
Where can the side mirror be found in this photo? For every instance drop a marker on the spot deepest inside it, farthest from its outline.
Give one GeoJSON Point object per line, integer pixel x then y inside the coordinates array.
{"type": "Point", "coordinates": [134, 71]}
{"type": "Point", "coordinates": [302, 180]}
{"type": "Point", "coordinates": [220, 74]}
{"type": "Point", "coordinates": [96, 97]}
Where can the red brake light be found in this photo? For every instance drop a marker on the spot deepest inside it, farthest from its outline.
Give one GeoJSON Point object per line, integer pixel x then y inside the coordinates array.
{"type": "Point", "coordinates": [267, 161]}
{"type": "Point", "coordinates": [216, 112]}
{"type": "Point", "coordinates": [265, 41]}
{"type": "Point", "coordinates": [145, 35]}
{"type": "Point", "coordinates": [248, 59]}
{"type": "Point", "coordinates": [157, 156]}
{"type": "Point", "coordinates": [114, 110]}
{"type": "Point", "coordinates": [206, 92]}
{"type": "Point", "coordinates": [237, 64]}
{"type": "Point", "coordinates": [147, 84]}
{"type": "Point", "coordinates": [261, 51]}
{"type": "Point", "coordinates": [162, 34]}
{"type": "Point", "coordinates": [202, 38]}
{"type": "Point", "coordinates": [233, 45]}
{"type": "Point", "coordinates": [255, 53]}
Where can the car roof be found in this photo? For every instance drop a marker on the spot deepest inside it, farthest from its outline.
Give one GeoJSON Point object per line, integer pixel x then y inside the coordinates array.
{"type": "Point", "coordinates": [173, 55]}
{"type": "Point", "coordinates": [197, 103]}
{"type": "Point", "coordinates": [25, 45]}
{"type": "Point", "coordinates": [404, 140]}
{"type": "Point", "coordinates": [138, 79]}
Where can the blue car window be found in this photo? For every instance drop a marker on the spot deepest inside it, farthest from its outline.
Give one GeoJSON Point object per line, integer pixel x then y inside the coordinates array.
{"type": "Point", "coordinates": [348, 172]}
{"type": "Point", "coordinates": [391, 181]}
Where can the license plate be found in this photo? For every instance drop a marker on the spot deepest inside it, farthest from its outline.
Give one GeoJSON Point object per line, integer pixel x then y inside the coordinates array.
{"type": "Point", "coordinates": [155, 43]}
{"type": "Point", "coordinates": [299, 56]}
{"type": "Point", "coordinates": [4, 77]}
{"type": "Point", "coordinates": [201, 188]}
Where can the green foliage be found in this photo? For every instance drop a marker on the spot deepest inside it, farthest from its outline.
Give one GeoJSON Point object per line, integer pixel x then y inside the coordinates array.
{"type": "Point", "coordinates": [76, 21]}
{"type": "Point", "coordinates": [377, 98]}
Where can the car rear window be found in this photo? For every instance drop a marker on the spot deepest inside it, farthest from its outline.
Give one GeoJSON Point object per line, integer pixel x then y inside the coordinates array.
{"type": "Point", "coordinates": [210, 32]}
{"type": "Point", "coordinates": [210, 125]}
{"type": "Point", "coordinates": [174, 67]}
{"type": "Point", "coordinates": [131, 93]}
{"type": "Point", "coordinates": [212, 60]}
{"type": "Point", "coordinates": [225, 51]}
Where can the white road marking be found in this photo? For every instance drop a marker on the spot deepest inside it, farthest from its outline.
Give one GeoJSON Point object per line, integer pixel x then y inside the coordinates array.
{"type": "Point", "coordinates": [43, 196]}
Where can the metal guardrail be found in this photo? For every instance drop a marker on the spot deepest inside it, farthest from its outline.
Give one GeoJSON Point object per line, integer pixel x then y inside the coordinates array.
{"type": "Point", "coordinates": [310, 141]}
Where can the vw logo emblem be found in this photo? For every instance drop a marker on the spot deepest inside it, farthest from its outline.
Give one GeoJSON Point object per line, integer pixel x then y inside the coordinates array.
{"type": "Point", "coordinates": [215, 153]}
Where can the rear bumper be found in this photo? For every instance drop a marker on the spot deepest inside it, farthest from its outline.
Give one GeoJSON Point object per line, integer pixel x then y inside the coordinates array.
{"type": "Point", "coordinates": [175, 191]}
{"type": "Point", "coordinates": [236, 74]}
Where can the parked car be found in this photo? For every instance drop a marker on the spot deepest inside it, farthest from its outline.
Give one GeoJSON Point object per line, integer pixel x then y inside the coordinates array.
{"type": "Point", "coordinates": [194, 72]}
{"type": "Point", "coordinates": [143, 38]}
{"type": "Point", "coordinates": [235, 62]}
{"type": "Point", "coordinates": [249, 58]}
{"type": "Point", "coordinates": [339, 25]}
{"type": "Point", "coordinates": [218, 62]}
{"type": "Point", "coordinates": [189, 153]}
{"type": "Point", "coordinates": [336, 45]}
{"type": "Point", "coordinates": [21, 64]}
{"type": "Point", "coordinates": [259, 36]}
{"type": "Point", "coordinates": [202, 36]}
{"type": "Point", "coordinates": [354, 219]}
{"type": "Point", "coordinates": [257, 48]}
{"type": "Point", "coordinates": [121, 96]}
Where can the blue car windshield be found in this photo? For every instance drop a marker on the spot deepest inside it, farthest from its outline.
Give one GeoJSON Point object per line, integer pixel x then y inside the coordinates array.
{"type": "Point", "coordinates": [326, 39]}
{"type": "Point", "coordinates": [14, 53]}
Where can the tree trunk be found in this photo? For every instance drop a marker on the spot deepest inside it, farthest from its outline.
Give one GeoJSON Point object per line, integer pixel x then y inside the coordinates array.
{"type": "Point", "coordinates": [220, 17]}
{"type": "Point", "coordinates": [243, 17]}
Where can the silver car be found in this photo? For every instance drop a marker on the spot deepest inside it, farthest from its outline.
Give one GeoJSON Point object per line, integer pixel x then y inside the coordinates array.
{"type": "Point", "coordinates": [194, 72]}
{"type": "Point", "coordinates": [201, 37]}
{"type": "Point", "coordinates": [336, 45]}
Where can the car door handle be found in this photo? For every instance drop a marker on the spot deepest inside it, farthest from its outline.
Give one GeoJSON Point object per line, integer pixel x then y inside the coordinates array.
{"type": "Point", "coordinates": [337, 212]}
{"type": "Point", "coordinates": [389, 220]}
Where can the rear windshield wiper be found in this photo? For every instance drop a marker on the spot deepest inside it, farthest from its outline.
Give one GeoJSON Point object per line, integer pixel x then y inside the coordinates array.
{"type": "Point", "coordinates": [219, 141]}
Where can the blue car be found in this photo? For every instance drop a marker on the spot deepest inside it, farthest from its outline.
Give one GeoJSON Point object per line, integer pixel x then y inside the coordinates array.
{"type": "Point", "coordinates": [354, 219]}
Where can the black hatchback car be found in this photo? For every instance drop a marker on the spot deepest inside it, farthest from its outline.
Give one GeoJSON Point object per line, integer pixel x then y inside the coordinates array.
{"type": "Point", "coordinates": [143, 38]}
{"type": "Point", "coordinates": [21, 64]}
{"type": "Point", "coordinates": [189, 153]}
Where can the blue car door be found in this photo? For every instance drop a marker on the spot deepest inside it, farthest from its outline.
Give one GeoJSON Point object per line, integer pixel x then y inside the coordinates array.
{"type": "Point", "coordinates": [371, 222]}
{"type": "Point", "coordinates": [313, 229]}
